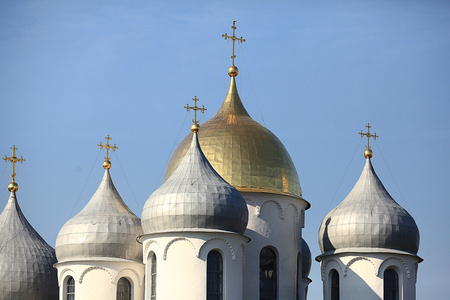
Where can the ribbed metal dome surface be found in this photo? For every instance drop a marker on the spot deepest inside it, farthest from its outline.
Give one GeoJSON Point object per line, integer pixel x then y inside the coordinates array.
{"type": "Point", "coordinates": [306, 259]}
{"type": "Point", "coordinates": [195, 198]}
{"type": "Point", "coordinates": [106, 227]}
{"type": "Point", "coordinates": [369, 218]}
{"type": "Point", "coordinates": [26, 260]}
{"type": "Point", "coordinates": [245, 153]}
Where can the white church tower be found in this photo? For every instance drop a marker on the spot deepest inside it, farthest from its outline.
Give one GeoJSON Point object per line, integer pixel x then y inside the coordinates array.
{"type": "Point", "coordinates": [98, 255]}
{"type": "Point", "coordinates": [194, 223]}
{"type": "Point", "coordinates": [369, 244]}
{"type": "Point", "coordinates": [253, 160]}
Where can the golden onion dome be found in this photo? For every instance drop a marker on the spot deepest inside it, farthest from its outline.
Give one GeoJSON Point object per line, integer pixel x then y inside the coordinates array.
{"type": "Point", "coordinates": [245, 153]}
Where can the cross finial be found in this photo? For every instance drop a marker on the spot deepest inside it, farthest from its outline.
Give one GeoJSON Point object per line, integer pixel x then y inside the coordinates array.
{"type": "Point", "coordinates": [13, 186]}
{"type": "Point", "coordinates": [107, 163]}
{"type": "Point", "coordinates": [368, 135]}
{"type": "Point", "coordinates": [195, 108]}
{"type": "Point", "coordinates": [233, 38]}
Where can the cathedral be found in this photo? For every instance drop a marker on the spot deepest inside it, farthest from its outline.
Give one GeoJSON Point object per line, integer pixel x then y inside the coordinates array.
{"type": "Point", "coordinates": [225, 224]}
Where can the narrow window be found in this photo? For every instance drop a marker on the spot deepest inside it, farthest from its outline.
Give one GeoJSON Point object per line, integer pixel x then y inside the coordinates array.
{"type": "Point", "coordinates": [267, 274]}
{"type": "Point", "coordinates": [70, 288]}
{"type": "Point", "coordinates": [334, 285]}
{"type": "Point", "coordinates": [123, 289]}
{"type": "Point", "coordinates": [390, 285]}
{"type": "Point", "coordinates": [299, 275]}
{"type": "Point", "coordinates": [153, 276]}
{"type": "Point", "coordinates": [214, 278]}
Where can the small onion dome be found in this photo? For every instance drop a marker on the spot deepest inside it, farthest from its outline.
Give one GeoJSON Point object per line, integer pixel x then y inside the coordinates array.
{"type": "Point", "coordinates": [26, 260]}
{"type": "Point", "coordinates": [245, 153]}
{"type": "Point", "coordinates": [306, 259]}
{"type": "Point", "coordinates": [195, 198]}
{"type": "Point", "coordinates": [106, 227]}
{"type": "Point", "coordinates": [369, 220]}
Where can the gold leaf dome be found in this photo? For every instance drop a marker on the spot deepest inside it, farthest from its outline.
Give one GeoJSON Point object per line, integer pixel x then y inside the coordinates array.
{"type": "Point", "coordinates": [245, 153]}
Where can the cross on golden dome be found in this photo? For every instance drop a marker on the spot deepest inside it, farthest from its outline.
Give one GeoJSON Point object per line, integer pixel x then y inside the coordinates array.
{"type": "Point", "coordinates": [233, 38]}
{"type": "Point", "coordinates": [107, 163]}
{"type": "Point", "coordinates": [13, 186]}
{"type": "Point", "coordinates": [195, 108]}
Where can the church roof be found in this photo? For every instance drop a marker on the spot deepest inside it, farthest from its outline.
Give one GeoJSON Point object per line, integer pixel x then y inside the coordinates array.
{"type": "Point", "coordinates": [106, 227]}
{"type": "Point", "coordinates": [26, 260]}
{"type": "Point", "coordinates": [368, 220]}
{"type": "Point", "coordinates": [195, 198]}
{"type": "Point", "coordinates": [245, 153]}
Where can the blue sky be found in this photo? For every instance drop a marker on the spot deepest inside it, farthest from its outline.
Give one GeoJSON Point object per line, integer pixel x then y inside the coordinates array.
{"type": "Point", "coordinates": [316, 72]}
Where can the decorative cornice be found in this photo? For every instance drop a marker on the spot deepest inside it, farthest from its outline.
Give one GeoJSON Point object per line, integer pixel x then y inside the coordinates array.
{"type": "Point", "coordinates": [95, 268]}
{"type": "Point", "coordinates": [280, 208]}
{"type": "Point", "coordinates": [60, 277]}
{"type": "Point", "coordinates": [352, 261]}
{"type": "Point", "coordinates": [325, 264]}
{"type": "Point", "coordinates": [118, 276]}
{"type": "Point", "coordinates": [166, 249]}
{"type": "Point", "coordinates": [233, 256]}
{"type": "Point", "coordinates": [408, 275]}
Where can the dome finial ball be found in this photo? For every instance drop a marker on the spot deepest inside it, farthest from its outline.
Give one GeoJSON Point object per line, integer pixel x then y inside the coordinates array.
{"type": "Point", "coordinates": [195, 128]}
{"type": "Point", "coordinates": [233, 71]}
{"type": "Point", "coordinates": [368, 153]}
{"type": "Point", "coordinates": [107, 164]}
{"type": "Point", "coordinates": [13, 187]}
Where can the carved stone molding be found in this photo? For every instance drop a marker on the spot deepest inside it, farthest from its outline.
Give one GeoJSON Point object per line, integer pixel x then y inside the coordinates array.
{"type": "Point", "coordinates": [166, 249]}
{"type": "Point", "coordinates": [61, 275]}
{"type": "Point", "coordinates": [352, 261]}
{"type": "Point", "coordinates": [119, 275]}
{"type": "Point", "coordinates": [233, 256]}
{"type": "Point", "coordinates": [95, 268]}
{"type": "Point", "coordinates": [408, 275]}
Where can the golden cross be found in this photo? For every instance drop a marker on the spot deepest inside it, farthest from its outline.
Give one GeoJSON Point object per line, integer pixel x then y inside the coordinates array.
{"type": "Point", "coordinates": [368, 135]}
{"type": "Point", "coordinates": [107, 146]}
{"type": "Point", "coordinates": [195, 108]}
{"type": "Point", "coordinates": [13, 159]}
{"type": "Point", "coordinates": [233, 38]}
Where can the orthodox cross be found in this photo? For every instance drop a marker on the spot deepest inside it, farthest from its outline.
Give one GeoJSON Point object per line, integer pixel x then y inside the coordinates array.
{"type": "Point", "coordinates": [233, 38]}
{"type": "Point", "coordinates": [195, 108]}
{"type": "Point", "coordinates": [368, 135]}
{"type": "Point", "coordinates": [107, 147]}
{"type": "Point", "coordinates": [13, 159]}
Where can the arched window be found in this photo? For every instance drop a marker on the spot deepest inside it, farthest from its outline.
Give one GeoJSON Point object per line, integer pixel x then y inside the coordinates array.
{"type": "Point", "coordinates": [334, 285]}
{"type": "Point", "coordinates": [152, 263]}
{"type": "Point", "coordinates": [390, 283]}
{"type": "Point", "coordinates": [123, 289]}
{"type": "Point", "coordinates": [268, 274]}
{"type": "Point", "coordinates": [214, 278]}
{"type": "Point", "coordinates": [70, 288]}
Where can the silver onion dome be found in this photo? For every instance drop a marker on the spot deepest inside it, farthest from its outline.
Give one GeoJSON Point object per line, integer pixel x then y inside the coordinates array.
{"type": "Point", "coordinates": [368, 220]}
{"type": "Point", "coordinates": [195, 198]}
{"type": "Point", "coordinates": [306, 259]}
{"type": "Point", "coordinates": [26, 260]}
{"type": "Point", "coordinates": [106, 227]}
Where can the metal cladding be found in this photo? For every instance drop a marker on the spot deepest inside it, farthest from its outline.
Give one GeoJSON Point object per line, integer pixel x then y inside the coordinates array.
{"type": "Point", "coordinates": [306, 259]}
{"type": "Point", "coordinates": [242, 151]}
{"type": "Point", "coordinates": [369, 219]}
{"type": "Point", "coordinates": [195, 198]}
{"type": "Point", "coordinates": [106, 227]}
{"type": "Point", "coordinates": [26, 260]}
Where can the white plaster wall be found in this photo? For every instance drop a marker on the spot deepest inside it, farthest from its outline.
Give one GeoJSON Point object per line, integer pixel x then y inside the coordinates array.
{"type": "Point", "coordinates": [97, 279]}
{"type": "Point", "coordinates": [275, 221]}
{"type": "Point", "coordinates": [181, 263]}
{"type": "Point", "coordinates": [361, 275]}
